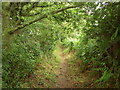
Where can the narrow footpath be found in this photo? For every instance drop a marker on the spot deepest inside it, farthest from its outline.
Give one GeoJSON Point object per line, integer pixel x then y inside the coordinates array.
{"type": "Point", "coordinates": [66, 79]}
{"type": "Point", "coordinates": [63, 79]}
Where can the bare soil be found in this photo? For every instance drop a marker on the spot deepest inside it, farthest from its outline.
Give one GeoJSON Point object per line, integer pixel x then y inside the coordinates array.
{"type": "Point", "coordinates": [66, 79]}
{"type": "Point", "coordinates": [63, 78]}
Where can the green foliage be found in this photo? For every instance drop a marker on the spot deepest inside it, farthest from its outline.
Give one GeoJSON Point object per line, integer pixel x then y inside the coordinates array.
{"type": "Point", "coordinates": [91, 30]}
{"type": "Point", "coordinates": [19, 61]}
{"type": "Point", "coordinates": [105, 77]}
{"type": "Point", "coordinates": [115, 34]}
{"type": "Point", "coordinates": [99, 41]}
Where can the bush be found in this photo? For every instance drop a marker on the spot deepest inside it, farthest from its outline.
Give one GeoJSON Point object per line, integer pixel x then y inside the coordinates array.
{"type": "Point", "coordinates": [19, 60]}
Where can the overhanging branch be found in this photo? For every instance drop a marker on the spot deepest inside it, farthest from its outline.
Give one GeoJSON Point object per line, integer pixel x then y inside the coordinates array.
{"type": "Point", "coordinates": [40, 18]}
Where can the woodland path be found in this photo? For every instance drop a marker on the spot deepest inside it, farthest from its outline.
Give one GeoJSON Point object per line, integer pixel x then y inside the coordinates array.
{"type": "Point", "coordinates": [63, 78]}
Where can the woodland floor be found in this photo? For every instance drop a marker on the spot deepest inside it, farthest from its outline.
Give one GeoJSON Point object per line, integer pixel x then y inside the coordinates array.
{"type": "Point", "coordinates": [63, 75]}
{"type": "Point", "coordinates": [63, 79]}
{"type": "Point", "coordinates": [66, 78]}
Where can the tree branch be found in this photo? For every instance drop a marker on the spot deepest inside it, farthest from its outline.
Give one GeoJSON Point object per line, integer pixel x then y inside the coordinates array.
{"type": "Point", "coordinates": [30, 14]}
{"type": "Point", "coordinates": [57, 11]}
{"type": "Point", "coordinates": [40, 18]}
{"type": "Point", "coordinates": [45, 6]}
{"type": "Point", "coordinates": [36, 7]}
{"type": "Point", "coordinates": [22, 26]}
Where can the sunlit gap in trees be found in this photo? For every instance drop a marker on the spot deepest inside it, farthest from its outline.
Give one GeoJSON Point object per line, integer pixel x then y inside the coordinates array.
{"type": "Point", "coordinates": [75, 37]}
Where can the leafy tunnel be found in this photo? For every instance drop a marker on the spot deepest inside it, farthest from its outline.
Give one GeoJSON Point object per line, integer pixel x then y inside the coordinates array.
{"type": "Point", "coordinates": [77, 40]}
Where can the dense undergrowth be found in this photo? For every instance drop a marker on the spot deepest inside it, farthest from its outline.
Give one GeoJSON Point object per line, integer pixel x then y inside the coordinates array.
{"type": "Point", "coordinates": [25, 59]}
{"type": "Point", "coordinates": [23, 52]}
{"type": "Point", "coordinates": [32, 31]}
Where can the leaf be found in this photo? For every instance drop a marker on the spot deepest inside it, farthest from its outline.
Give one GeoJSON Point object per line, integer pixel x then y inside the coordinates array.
{"type": "Point", "coordinates": [115, 34]}
{"type": "Point", "coordinates": [105, 77]}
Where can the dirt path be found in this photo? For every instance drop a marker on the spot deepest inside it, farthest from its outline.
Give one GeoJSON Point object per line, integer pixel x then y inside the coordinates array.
{"type": "Point", "coordinates": [63, 80]}
{"type": "Point", "coordinates": [66, 79]}
{"type": "Point", "coordinates": [66, 74]}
